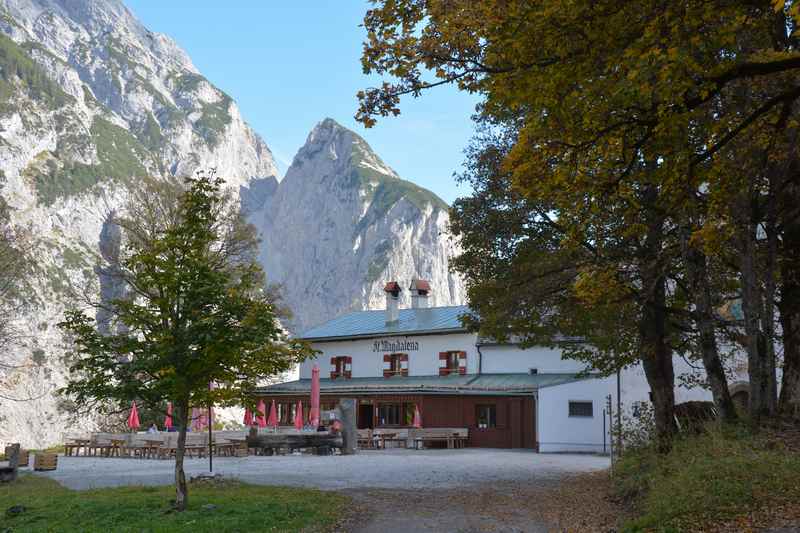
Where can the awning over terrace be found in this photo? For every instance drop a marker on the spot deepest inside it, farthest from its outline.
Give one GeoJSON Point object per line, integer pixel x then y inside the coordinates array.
{"type": "Point", "coordinates": [469, 384]}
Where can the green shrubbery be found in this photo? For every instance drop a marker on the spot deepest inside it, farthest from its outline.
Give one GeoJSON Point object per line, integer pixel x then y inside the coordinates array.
{"type": "Point", "coordinates": [16, 67]}
{"type": "Point", "coordinates": [119, 155]}
{"type": "Point", "coordinates": [718, 475]}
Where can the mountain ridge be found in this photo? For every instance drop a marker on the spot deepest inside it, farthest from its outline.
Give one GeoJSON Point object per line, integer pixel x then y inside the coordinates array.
{"type": "Point", "coordinates": [91, 103]}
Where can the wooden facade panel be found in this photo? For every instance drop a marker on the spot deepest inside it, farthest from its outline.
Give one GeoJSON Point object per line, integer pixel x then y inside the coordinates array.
{"type": "Point", "coordinates": [515, 415]}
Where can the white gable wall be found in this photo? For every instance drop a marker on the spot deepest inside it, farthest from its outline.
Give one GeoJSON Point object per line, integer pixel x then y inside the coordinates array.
{"type": "Point", "coordinates": [368, 362]}
{"type": "Point", "coordinates": [511, 359]}
{"type": "Point", "coordinates": [559, 432]}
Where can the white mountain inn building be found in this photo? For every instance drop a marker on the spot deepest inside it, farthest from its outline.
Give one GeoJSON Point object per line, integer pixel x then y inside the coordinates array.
{"type": "Point", "coordinates": [395, 359]}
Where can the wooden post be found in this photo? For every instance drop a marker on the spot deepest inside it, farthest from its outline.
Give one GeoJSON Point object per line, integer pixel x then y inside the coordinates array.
{"type": "Point", "coordinates": [347, 408]}
{"type": "Point", "coordinates": [9, 473]}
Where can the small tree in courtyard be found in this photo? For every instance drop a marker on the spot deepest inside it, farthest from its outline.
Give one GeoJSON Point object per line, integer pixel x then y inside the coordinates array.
{"type": "Point", "coordinates": [196, 312]}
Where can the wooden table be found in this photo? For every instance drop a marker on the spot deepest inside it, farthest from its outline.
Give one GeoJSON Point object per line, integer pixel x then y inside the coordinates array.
{"type": "Point", "coordinates": [76, 446]}
{"type": "Point", "coordinates": [239, 446]}
{"type": "Point", "coordinates": [152, 448]}
{"type": "Point", "coordinates": [117, 446]}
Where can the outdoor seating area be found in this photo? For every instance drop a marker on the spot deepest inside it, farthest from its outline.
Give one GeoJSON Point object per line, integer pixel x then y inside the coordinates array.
{"type": "Point", "coordinates": [161, 445]}
{"type": "Point", "coordinates": [416, 438]}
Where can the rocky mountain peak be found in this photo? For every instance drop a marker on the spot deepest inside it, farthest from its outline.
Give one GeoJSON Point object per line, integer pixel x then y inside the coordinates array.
{"type": "Point", "coordinates": [342, 222]}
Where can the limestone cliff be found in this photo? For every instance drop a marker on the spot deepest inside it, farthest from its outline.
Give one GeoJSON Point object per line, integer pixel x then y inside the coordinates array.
{"type": "Point", "coordinates": [342, 223]}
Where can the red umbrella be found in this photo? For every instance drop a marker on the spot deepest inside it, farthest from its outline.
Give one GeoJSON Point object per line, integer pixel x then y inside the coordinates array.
{"type": "Point", "coordinates": [298, 415]}
{"type": "Point", "coordinates": [248, 417]}
{"type": "Point", "coordinates": [168, 418]}
{"type": "Point", "coordinates": [417, 417]}
{"type": "Point", "coordinates": [272, 421]}
{"type": "Point", "coordinates": [133, 418]}
{"type": "Point", "coordinates": [313, 416]}
{"type": "Point", "coordinates": [262, 414]}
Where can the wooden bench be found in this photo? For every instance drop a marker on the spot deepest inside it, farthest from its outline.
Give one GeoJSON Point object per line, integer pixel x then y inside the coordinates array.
{"type": "Point", "coordinates": [452, 437]}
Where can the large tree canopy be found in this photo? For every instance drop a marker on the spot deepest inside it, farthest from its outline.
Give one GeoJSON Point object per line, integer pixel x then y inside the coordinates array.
{"type": "Point", "coordinates": [648, 140]}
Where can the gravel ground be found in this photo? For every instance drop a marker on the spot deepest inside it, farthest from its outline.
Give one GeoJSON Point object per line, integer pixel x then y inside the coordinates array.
{"type": "Point", "coordinates": [384, 469]}
{"type": "Point", "coordinates": [394, 491]}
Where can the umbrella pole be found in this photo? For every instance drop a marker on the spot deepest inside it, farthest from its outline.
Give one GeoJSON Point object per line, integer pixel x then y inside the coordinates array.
{"type": "Point", "coordinates": [210, 445]}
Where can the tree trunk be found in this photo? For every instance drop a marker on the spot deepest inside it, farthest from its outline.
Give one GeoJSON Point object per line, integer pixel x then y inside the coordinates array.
{"type": "Point", "coordinates": [698, 277]}
{"type": "Point", "coordinates": [656, 352]}
{"type": "Point", "coordinates": [181, 490]}
{"type": "Point", "coordinates": [755, 344]}
{"type": "Point", "coordinates": [768, 313]}
{"type": "Point", "coordinates": [789, 307]}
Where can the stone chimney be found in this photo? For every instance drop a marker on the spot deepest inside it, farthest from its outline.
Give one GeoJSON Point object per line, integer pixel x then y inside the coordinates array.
{"type": "Point", "coordinates": [420, 290]}
{"type": "Point", "coordinates": [392, 290]}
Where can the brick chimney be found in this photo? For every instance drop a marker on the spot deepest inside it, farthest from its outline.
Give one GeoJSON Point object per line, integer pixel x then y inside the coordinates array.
{"type": "Point", "coordinates": [420, 291]}
{"type": "Point", "coordinates": [392, 290]}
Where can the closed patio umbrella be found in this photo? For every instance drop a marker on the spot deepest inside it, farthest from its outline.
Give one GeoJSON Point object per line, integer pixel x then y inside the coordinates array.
{"type": "Point", "coordinates": [262, 414]}
{"type": "Point", "coordinates": [314, 414]}
{"type": "Point", "coordinates": [417, 418]}
{"type": "Point", "coordinates": [248, 417]}
{"type": "Point", "coordinates": [133, 417]}
{"type": "Point", "coordinates": [272, 421]}
{"type": "Point", "coordinates": [168, 418]}
{"type": "Point", "coordinates": [298, 415]}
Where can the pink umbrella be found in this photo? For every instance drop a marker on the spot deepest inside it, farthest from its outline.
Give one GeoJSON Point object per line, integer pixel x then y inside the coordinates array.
{"type": "Point", "coordinates": [248, 417]}
{"type": "Point", "coordinates": [272, 421]}
{"type": "Point", "coordinates": [262, 414]}
{"type": "Point", "coordinates": [298, 415]}
{"type": "Point", "coordinates": [168, 418]}
{"type": "Point", "coordinates": [133, 418]}
{"type": "Point", "coordinates": [417, 418]}
{"type": "Point", "coordinates": [313, 416]}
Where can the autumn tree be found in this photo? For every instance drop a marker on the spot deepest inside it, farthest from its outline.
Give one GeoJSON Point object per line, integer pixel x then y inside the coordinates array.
{"type": "Point", "coordinates": [632, 105]}
{"type": "Point", "coordinates": [195, 313]}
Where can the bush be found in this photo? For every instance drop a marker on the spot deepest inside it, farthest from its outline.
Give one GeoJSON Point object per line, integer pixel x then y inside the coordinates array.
{"type": "Point", "coordinates": [724, 472]}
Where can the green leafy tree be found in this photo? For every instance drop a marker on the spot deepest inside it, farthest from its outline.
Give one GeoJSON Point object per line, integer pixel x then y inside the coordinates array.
{"type": "Point", "coordinates": [197, 313]}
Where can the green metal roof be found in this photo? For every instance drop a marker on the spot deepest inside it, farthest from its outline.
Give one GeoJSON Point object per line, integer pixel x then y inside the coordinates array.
{"type": "Point", "coordinates": [361, 324]}
{"type": "Point", "coordinates": [469, 384]}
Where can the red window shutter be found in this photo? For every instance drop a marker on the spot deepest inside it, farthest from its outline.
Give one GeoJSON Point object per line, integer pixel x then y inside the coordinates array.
{"type": "Point", "coordinates": [404, 372]}
{"type": "Point", "coordinates": [349, 360]}
{"type": "Point", "coordinates": [387, 358]}
{"type": "Point", "coordinates": [333, 361]}
{"type": "Point", "coordinates": [387, 373]}
{"type": "Point", "coordinates": [404, 357]}
{"type": "Point", "coordinates": [443, 371]}
{"type": "Point", "coordinates": [442, 356]}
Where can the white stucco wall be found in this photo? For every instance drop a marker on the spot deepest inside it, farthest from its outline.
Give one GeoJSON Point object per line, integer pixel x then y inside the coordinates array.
{"type": "Point", "coordinates": [511, 359]}
{"type": "Point", "coordinates": [558, 432]}
{"type": "Point", "coordinates": [367, 362]}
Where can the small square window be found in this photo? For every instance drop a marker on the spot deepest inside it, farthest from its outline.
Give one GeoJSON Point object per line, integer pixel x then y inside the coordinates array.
{"type": "Point", "coordinates": [583, 409]}
{"type": "Point", "coordinates": [485, 416]}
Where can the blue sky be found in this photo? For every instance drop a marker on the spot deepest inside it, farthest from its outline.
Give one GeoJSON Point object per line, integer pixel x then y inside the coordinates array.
{"type": "Point", "coordinates": [291, 64]}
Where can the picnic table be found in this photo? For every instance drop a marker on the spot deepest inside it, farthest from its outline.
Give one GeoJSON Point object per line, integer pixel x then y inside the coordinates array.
{"type": "Point", "coordinates": [117, 447]}
{"type": "Point", "coordinates": [75, 446]}
{"type": "Point", "coordinates": [382, 438]}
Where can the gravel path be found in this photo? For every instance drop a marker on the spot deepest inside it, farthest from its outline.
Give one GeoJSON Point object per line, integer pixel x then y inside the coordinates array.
{"type": "Point", "coordinates": [394, 491]}
{"type": "Point", "coordinates": [385, 469]}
